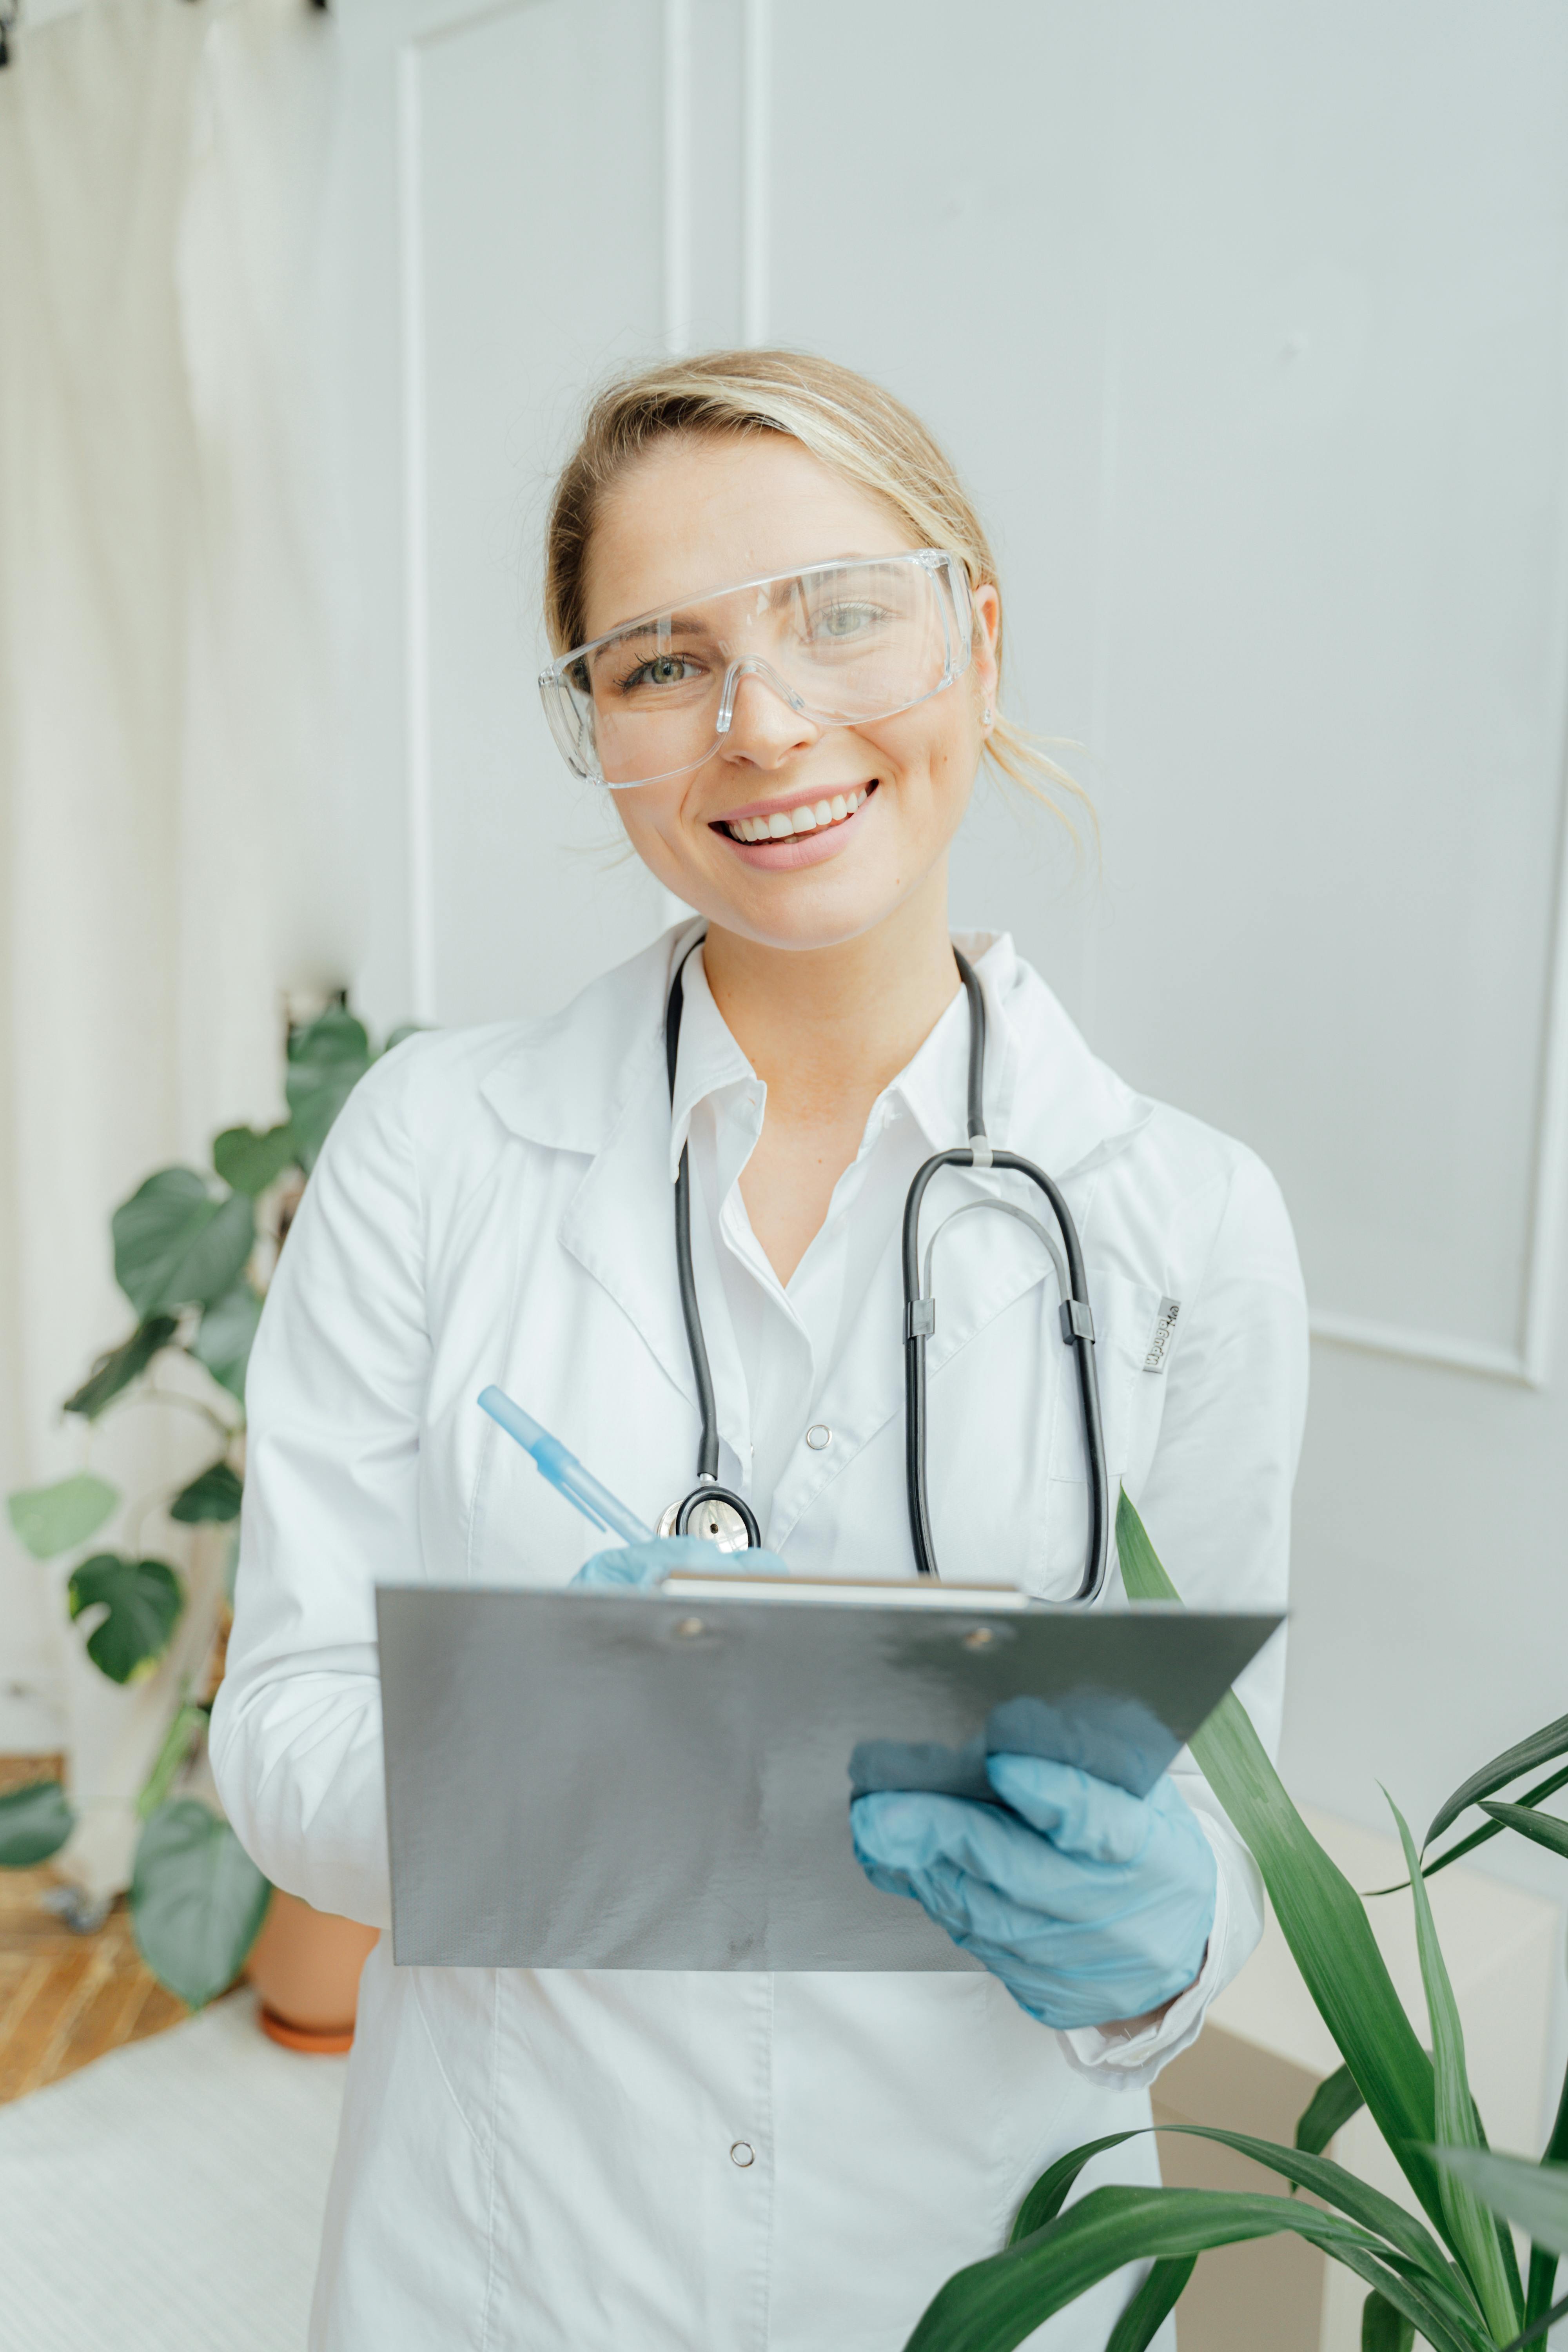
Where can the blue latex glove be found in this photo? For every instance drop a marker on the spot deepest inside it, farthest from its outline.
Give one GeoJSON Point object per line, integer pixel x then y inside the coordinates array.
{"type": "Point", "coordinates": [638, 1566]}
{"type": "Point", "coordinates": [1090, 1905]}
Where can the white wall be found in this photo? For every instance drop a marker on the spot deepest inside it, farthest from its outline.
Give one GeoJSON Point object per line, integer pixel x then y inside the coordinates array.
{"type": "Point", "coordinates": [1246, 327]}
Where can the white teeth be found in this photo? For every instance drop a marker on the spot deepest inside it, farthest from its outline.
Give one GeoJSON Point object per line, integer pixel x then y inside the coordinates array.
{"type": "Point", "coordinates": [805, 819]}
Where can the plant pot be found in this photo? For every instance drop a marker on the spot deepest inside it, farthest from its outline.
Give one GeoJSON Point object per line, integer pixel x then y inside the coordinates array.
{"type": "Point", "coordinates": [305, 1966]}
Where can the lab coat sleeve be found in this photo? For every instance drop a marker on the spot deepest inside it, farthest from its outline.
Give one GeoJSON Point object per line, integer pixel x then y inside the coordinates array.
{"type": "Point", "coordinates": [1216, 1504]}
{"type": "Point", "coordinates": [333, 1400]}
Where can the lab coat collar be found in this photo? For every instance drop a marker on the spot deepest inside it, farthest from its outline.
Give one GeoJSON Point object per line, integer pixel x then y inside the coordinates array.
{"type": "Point", "coordinates": [568, 1081]}
{"type": "Point", "coordinates": [591, 1079]}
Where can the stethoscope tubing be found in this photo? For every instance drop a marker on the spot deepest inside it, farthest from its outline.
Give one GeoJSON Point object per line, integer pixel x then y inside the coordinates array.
{"type": "Point", "coordinates": [1077, 1322]}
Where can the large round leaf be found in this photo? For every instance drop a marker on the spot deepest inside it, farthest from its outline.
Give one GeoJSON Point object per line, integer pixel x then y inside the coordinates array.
{"type": "Point", "coordinates": [174, 1245]}
{"type": "Point", "coordinates": [142, 1600]}
{"type": "Point", "coordinates": [52, 1519]}
{"type": "Point", "coordinates": [224, 1336]}
{"type": "Point", "coordinates": [214, 1495]}
{"type": "Point", "coordinates": [327, 1058]}
{"type": "Point", "coordinates": [197, 1901]}
{"type": "Point", "coordinates": [35, 1822]}
{"type": "Point", "coordinates": [250, 1160]}
{"type": "Point", "coordinates": [121, 1366]}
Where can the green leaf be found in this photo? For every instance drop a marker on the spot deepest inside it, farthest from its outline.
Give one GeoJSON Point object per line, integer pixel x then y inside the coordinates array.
{"type": "Point", "coordinates": [35, 1822]}
{"type": "Point", "coordinates": [1151, 2306]}
{"type": "Point", "coordinates": [226, 1334]}
{"type": "Point", "coordinates": [327, 1059]}
{"type": "Point", "coordinates": [1542, 1788]}
{"type": "Point", "coordinates": [400, 1035]}
{"type": "Point", "coordinates": [197, 1901]}
{"type": "Point", "coordinates": [1542, 2260]}
{"type": "Point", "coordinates": [1320, 1915]}
{"type": "Point", "coordinates": [994, 2305]}
{"type": "Point", "coordinates": [249, 1158]}
{"type": "Point", "coordinates": [121, 1366]}
{"type": "Point", "coordinates": [1470, 2233]}
{"type": "Point", "coordinates": [214, 1496]}
{"type": "Point", "coordinates": [174, 1245]}
{"type": "Point", "coordinates": [1383, 2329]}
{"type": "Point", "coordinates": [1541, 1748]}
{"type": "Point", "coordinates": [142, 1600]}
{"type": "Point", "coordinates": [1534, 2195]}
{"type": "Point", "coordinates": [1543, 1827]}
{"type": "Point", "coordinates": [1331, 2107]}
{"type": "Point", "coordinates": [52, 1519]}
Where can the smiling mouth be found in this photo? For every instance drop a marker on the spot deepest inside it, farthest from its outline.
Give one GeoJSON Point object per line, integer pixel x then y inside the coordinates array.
{"type": "Point", "coordinates": [812, 816]}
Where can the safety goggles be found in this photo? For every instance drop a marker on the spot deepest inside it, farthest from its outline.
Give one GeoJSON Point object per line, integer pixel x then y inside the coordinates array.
{"type": "Point", "coordinates": [841, 643]}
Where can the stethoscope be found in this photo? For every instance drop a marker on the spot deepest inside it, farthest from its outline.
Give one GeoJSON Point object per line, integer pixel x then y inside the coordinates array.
{"type": "Point", "coordinates": [725, 1517]}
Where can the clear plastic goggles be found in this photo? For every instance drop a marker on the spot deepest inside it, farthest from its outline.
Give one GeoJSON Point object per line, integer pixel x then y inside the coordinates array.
{"type": "Point", "coordinates": [841, 643]}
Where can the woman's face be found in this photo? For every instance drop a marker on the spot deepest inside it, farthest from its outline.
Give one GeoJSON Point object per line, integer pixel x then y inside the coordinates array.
{"type": "Point", "coordinates": [703, 512]}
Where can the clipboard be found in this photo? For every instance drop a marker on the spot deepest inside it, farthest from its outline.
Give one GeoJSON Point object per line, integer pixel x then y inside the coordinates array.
{"type": "Point", "coordinates": [613, 1779]}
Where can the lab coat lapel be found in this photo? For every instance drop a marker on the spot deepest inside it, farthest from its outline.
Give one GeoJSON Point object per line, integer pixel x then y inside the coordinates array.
{"type": "Point", "coordinates": [591, 1080]}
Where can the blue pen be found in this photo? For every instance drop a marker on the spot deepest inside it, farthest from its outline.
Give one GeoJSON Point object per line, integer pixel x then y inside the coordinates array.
{"type": "Point", "coordinates": [563, 1470]}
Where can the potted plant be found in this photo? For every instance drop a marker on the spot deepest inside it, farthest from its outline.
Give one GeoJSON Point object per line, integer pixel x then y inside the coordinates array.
{"type": "Point", "coordinates": [193, 1253]}
{"type": "Point", "coordinates": [1451, 2279]}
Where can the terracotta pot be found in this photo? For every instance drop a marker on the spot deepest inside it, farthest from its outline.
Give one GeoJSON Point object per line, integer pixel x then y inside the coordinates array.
{"type": "Point", "coordinates": [305, 1966]}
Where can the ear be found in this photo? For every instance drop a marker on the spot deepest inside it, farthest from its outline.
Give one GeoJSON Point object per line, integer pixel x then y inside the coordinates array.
{"type": "Point", "coordinates": [987, 604]}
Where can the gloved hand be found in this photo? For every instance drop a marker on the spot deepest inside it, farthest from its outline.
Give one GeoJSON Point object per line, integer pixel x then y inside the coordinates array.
{"type": "Point", "coordinates": [1092, 1906]}
{"type": "Point", "coordinates": [638, 1566]}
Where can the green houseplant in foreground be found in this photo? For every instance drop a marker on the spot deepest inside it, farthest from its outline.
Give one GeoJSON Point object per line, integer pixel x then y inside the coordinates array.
{"type": "Point", "coordinates": [189, 1255]}
{"type": "Point", "coordinates": [1451, 2279]}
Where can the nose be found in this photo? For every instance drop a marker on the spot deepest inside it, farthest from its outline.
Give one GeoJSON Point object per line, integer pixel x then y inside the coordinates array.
{"type": "Point", "coordinates": [762, 726]}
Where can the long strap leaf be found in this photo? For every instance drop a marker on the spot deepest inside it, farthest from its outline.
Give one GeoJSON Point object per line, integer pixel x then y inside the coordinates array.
{"type": "Point", "coordinates": [1472, 2232]}
{"type": "Point", "coordinates": [1383, 2329]}
{"type": "Point", "coordinates": [1542, 2259]}
{"type": "Point", "coordinates": [1153, 2304]}
{"type": "Point", "coordinates": [1320, 1915]}
{"type": "Point", "coordinates": [1541, 1745]}
{"type": "Point", "coordinates": [994, 2305]}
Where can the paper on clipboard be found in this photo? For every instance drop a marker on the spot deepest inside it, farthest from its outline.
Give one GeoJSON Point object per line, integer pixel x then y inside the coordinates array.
{"type": "Point", "coordinates": [608, 1780]}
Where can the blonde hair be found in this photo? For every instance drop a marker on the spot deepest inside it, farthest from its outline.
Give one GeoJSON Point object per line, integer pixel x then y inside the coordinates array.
{"type": "Point", "coordinates": [847, 422]}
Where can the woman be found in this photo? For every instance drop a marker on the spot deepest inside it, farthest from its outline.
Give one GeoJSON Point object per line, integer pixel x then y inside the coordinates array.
{"type": "Point", "coordinates": [787, 2163]}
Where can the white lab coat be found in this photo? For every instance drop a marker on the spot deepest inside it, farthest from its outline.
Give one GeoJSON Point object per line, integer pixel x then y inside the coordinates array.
{"type": "Point", "coordinates": [554, 2162]}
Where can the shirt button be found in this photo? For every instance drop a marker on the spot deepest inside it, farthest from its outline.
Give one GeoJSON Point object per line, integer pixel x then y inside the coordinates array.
{"type": "Point", "coordinates": [818, 1437]}
{"type": "Point", "coordinates": [743, 2154]}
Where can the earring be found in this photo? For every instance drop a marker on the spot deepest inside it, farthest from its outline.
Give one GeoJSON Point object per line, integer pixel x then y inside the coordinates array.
{"type": "Point", "coordinates": [985, 715]}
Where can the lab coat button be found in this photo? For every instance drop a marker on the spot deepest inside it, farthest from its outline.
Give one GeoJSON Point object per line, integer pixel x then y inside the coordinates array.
{"type": "Point", "coordinates": [743, 2154]}
{"type": "Point", "coordinates": [818, 1437]}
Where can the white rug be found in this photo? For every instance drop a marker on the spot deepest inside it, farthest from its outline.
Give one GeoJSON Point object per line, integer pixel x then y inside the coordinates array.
{"type": "Point", "coordinates": [169, 2197]}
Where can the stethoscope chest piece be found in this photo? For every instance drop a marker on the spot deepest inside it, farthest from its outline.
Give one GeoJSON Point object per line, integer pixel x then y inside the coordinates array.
{"type": "Point", "coordinates": [715, 1515]}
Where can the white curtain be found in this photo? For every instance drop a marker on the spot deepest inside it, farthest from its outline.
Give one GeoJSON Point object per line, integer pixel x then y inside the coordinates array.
{"type": "Point", "coordinates": [167, 869]}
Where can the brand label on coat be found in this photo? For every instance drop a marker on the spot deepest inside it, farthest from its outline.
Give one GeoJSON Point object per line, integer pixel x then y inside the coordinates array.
{"type": "Point", "coordinates": [1160, 1337]}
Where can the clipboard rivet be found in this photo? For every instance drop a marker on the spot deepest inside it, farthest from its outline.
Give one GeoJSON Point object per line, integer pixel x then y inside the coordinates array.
{"type": "Point", "coordinates": [981, 1638]}
{"type": "Point", "coordinates": [687, 1626]}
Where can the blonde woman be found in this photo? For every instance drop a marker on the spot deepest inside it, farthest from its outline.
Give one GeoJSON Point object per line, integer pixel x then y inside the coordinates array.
{"type": "Point", "coordinates": [778, 637]}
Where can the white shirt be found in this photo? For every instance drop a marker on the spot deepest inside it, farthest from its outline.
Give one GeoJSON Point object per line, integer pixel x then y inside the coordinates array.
{"type": "Point", "coordinates": [544, 2157]}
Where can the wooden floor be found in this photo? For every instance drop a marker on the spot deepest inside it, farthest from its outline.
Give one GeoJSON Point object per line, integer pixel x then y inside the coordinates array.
{"type": "Point", "coordinates": [65, 1999]}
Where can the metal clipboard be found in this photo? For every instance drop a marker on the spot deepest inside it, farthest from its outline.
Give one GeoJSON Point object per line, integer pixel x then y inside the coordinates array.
{"type": "Point", "coordinates": [593, 1779]}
